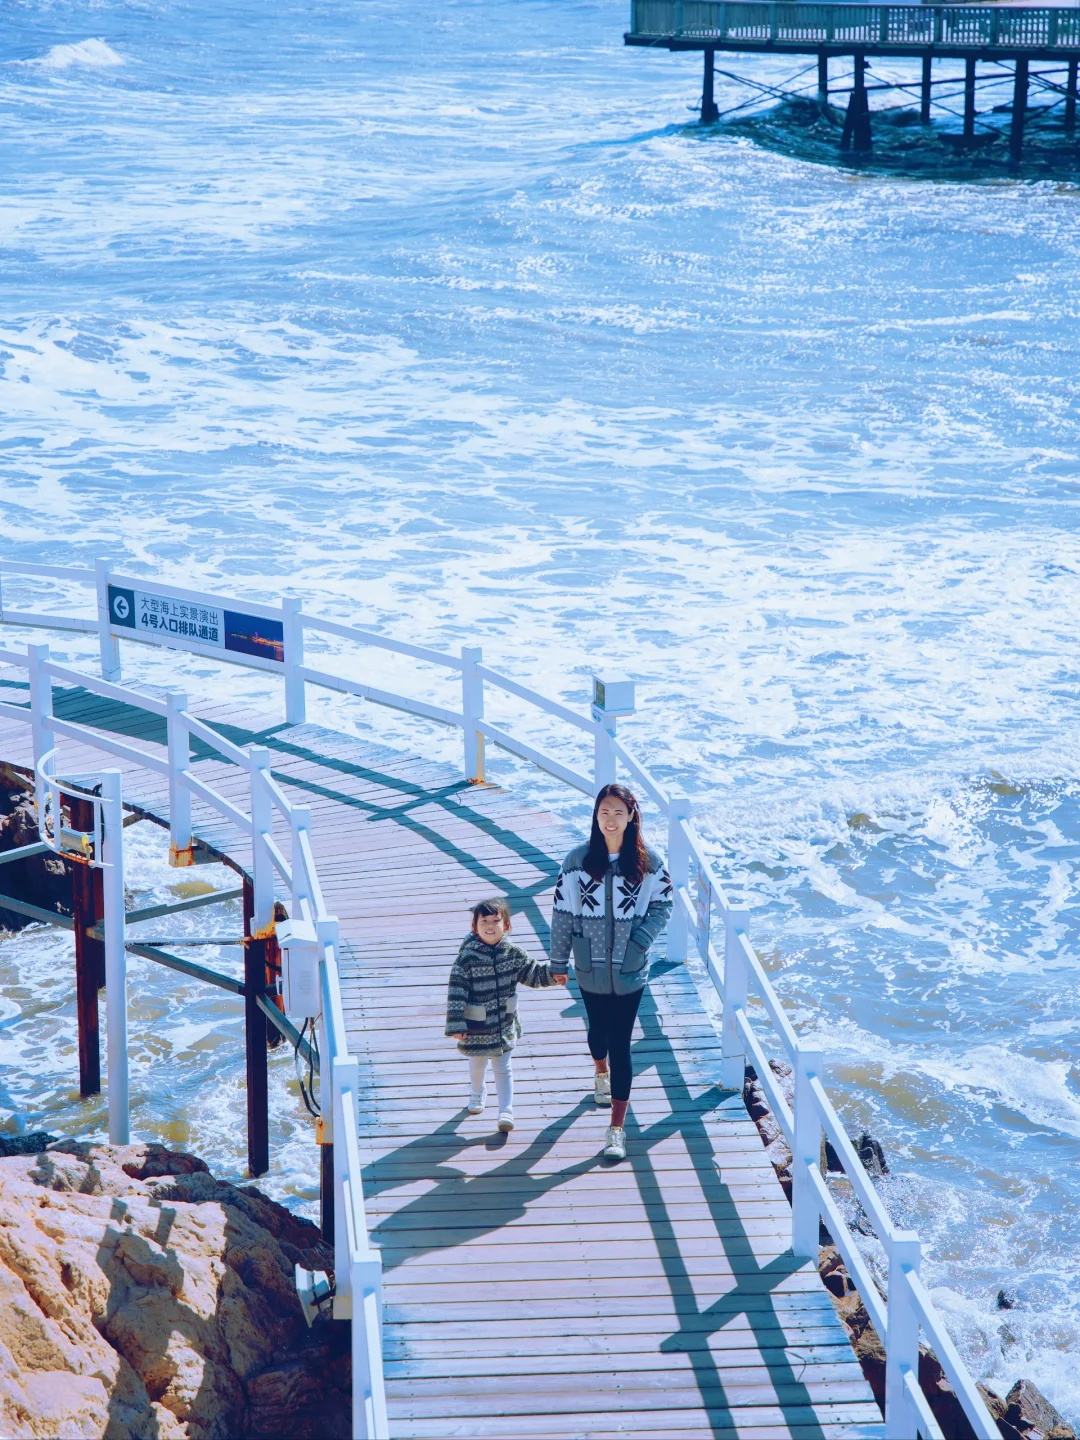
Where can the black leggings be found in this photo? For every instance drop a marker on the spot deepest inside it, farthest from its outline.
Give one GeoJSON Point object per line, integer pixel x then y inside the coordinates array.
{"type": "Point", "coordinates": [611, 1024]}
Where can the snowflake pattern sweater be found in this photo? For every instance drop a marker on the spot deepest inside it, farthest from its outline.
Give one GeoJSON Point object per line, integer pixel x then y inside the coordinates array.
{"type": "Point", "coordinates": [609, 924]}
{"type": "Point", "coordinates": [482, 995]}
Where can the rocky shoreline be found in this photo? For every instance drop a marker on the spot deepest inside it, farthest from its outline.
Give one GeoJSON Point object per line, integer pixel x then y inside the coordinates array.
{"type": "Point", "coordinates": [141, 1298]}
{"type": "Point", "coordinates": [1023, 1414]}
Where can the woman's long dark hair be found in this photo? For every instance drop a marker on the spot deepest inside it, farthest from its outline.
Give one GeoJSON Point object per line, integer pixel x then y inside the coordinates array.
{"type": "Point", "coordinates": [633, 857]}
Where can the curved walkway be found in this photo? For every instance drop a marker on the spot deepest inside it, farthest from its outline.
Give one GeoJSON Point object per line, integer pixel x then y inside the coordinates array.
{"type": "Point", "coordinates": [532, 1289]}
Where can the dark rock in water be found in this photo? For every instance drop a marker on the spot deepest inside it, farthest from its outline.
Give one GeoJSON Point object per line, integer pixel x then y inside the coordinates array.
{"type": "Point", "coordinates": [1007, 1300]}
{"type": "Point", "coordinates": [32, 1144]}
{"type": "Point", "coordinates": [868, 1150]}
{"type": "Point", "coordinates": [871, 1154]}
{"type": "Point", "coordinates": [41, 880]}
{"type": "Point", "coordinates": [1032, 1415]}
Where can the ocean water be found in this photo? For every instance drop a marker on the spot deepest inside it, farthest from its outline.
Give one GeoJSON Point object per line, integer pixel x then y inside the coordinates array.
{"type": "Point", "coordinates": [451, 321]}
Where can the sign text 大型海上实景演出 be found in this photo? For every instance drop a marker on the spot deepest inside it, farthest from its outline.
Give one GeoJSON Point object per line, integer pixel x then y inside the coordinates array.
{"type": "Point", "coordinates": [194, 624]}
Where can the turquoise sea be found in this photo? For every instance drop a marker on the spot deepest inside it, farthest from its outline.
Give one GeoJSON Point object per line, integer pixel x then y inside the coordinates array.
{"type": "Point", "coordinates": [449, 319]}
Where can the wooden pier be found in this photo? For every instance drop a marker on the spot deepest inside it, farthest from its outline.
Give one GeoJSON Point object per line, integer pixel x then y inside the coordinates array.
{"type": "Point", "coordinates": [532, 1289]}
{"type": "Point", "coordinates": [1016, 35]}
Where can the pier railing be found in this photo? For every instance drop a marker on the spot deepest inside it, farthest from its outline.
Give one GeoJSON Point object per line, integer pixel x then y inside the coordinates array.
{"type": "Point", "coordinates": [357, 1266]}
{"type": "Point", "coordinates": [967, 26]}
{"type": "Point", "coordinates": [904, 1314]}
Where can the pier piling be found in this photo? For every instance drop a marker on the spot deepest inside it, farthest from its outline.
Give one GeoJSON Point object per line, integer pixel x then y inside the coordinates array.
{"type": "Point", "coordinates": [709, 111]}
{"type": "Point", "coordinates": [88, 909]}
{"type": "Point", "coordinates": [1070, 99]}
{"type": "Point", "coordinates": [823, 81]}
{"type": "Point", "coordinates": [927, 87]}
{"type": "Point", "coordinates": [856, 136]}
{"type": "Point", "coordinates": [258, 1080]}
{"type": "Point", "coordinates": [969, 100]}
{"type": "Point", "coordinates": [1019, 109]}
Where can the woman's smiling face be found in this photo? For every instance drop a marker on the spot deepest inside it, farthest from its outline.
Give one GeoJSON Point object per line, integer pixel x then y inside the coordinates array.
{"type": "Point", "coordinates": [613, 817]}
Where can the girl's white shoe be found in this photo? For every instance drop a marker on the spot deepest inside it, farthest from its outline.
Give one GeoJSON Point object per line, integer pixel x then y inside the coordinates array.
{"type": "Point", "coordinates": [615, 1148]}
{"type": "Point", "coordinates": [506, 1120]}
{"type": "Point", "coordinates": [477, 1103]}
{"type": "Point", "coordinates": [602, 1088]}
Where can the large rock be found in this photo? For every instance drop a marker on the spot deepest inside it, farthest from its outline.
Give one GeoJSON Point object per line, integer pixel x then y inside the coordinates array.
{"type": "Point", "coordinates": [141, 1299]}
{"type": "Point", "coordinates": [42, 880]}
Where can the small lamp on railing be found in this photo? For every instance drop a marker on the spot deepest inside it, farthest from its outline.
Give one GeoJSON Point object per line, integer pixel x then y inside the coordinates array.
{"type": "Point", "coordinates": [612, 697]}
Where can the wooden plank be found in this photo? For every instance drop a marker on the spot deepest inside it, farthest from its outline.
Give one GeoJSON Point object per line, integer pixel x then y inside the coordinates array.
{"type": "Point", "coordinates": [532, 1289]}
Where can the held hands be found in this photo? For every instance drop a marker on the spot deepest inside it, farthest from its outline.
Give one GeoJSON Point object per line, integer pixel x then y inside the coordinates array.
{"type": "Point", "coordinates": [458, 1037]}
{"type": "Point", "coordinates": [559, 979]}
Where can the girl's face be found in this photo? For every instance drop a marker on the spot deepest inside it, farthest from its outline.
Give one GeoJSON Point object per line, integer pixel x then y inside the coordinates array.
{"type": "Point", "coordinates": [613, 818]}
{"type": "Point", "coordinates": [491, 928]}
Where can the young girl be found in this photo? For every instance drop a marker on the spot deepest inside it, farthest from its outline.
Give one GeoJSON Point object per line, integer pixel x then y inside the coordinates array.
{"type": "Point", "coordinates": [481, 1003]}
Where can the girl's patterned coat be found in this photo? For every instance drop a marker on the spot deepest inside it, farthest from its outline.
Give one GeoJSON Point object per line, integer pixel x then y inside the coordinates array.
{"type": "Point", "coordinates": [482, 995]}
{"type": "Point", "coordinates": [609, 924]}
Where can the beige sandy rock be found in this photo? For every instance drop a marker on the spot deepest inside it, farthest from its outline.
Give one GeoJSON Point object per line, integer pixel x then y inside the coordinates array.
{"type": "Point", "coordinates": [140, 1297]}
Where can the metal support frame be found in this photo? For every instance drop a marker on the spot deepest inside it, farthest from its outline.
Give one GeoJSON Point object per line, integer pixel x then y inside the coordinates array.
{"type": "Point", "coordinates": [112, 806]}
{"type": "Point", "coordinates": [709, 112]}
{"type": "Point", "coordinates": [1019, 109]}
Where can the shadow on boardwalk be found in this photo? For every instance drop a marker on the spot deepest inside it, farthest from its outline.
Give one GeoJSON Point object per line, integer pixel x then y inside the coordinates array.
{"type": "Point", "coordinates": [462, 1208]}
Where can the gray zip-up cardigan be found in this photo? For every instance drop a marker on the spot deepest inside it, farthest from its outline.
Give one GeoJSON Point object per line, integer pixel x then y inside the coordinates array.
{"type": "Point", "coordinates": [481, 998]}
{"type": "Point", "coordinates": [609, 924]}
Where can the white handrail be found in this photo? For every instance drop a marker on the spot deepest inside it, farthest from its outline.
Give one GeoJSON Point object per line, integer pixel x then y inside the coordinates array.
{"type": "Point", "coordinates": [733, 975]}
{"type": "Point", "coordinates": [54, 572]}
{"type": "Point", "coordinates": [382, 642]}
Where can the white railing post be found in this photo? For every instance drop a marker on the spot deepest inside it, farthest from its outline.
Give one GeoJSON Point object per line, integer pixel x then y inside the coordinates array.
{"type": "Point", "coordinates": [112, 807]}
{"type": "Point", "coordinates": [108, 645]}
{"type": "Point", "coordinates": [680, 809]}
{"type": "Point", "coordinates": [344, 1077]}
{"type": "Point", "coordinates": [262, 826]}
{"type": "Point", "coordinates": [472, 708]}
{"type": "Point", "coordinates": [732, 1045]}
{"type": "Point", "coordinates": [604, 762]}
{"type": "Point", "coordinates": [41, 700]}
{"type": "Point", "coordinates": [805, 1152]}
{"type": "Point", "coordinates": [902, 1341]}
{"type": "Point", "coordinates": [293, 630]}
{"type": "Point", "coordinates": [300, 822]}
{"type": "Point", "coordinates": [181, 852]}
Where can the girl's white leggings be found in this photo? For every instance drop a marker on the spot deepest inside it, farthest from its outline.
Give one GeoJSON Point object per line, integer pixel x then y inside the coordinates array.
{"type": "Point", "coordinates": [504, 1077]}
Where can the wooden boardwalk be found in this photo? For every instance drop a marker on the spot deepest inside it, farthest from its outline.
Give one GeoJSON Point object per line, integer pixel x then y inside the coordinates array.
{"type": "Point", "coordinates": [532, 1288]}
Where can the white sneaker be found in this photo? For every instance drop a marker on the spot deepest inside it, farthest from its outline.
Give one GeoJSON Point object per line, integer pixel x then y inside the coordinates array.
{"type": "Point", "coordinates": [601, 1091]}
{"type": "Point", "coordinates": [506, 1120]}
{"type": "Point", "coordinates": [615, 1147]}
{"type": "Point", "coordinates": [477, 1103]}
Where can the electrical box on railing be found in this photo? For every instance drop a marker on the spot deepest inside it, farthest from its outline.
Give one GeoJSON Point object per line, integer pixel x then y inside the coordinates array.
{"type": "Point", "coordinates": [612, 695]}
{"type": "Point", "coordinates": [299, 968]}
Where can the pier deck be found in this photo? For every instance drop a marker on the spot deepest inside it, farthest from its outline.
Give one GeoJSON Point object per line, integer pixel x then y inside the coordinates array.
{"type": "Point", "coordinates": [531, 1288]}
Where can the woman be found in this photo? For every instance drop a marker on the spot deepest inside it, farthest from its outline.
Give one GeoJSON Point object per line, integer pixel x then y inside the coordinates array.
{"type": "Point", "coordinates": [612, 899]}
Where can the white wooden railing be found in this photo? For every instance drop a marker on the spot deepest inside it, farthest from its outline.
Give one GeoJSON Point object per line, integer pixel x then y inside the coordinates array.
{"type": "Point", "coordinates": [878, 27]}
{"type": "Point", "coordinates": [701, 908]}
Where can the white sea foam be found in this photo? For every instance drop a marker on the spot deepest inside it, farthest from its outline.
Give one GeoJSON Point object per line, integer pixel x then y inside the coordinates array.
{"type": "Point", "coordinates": [85, 54]}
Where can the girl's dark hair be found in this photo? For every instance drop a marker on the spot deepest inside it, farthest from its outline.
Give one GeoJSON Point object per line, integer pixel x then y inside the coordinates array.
{"type": "Point", "coordinates": [495, 906]}
{"type": "Point", "coordinates": [633, 857]}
